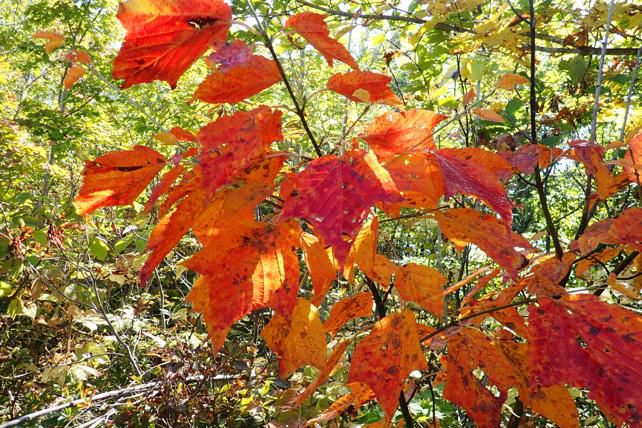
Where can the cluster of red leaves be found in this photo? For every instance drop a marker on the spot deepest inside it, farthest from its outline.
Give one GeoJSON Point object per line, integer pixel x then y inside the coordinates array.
{"type": "Point", "coordinates": [247, 263]}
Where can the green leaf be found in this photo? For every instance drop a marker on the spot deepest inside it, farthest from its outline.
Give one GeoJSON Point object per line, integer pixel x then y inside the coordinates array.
{"type": "Point", "coordinates": [98, 249]}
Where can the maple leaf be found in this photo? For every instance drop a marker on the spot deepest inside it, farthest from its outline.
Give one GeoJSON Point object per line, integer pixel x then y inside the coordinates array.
{"type": "Point", "coordinates": [419, 179]}
{"type": "Point", "coordinates": [239, 80]}
{"type": "Point", "coordinates": [528, 156]}
{"type": "Point", "coordinates": [359, 394]}
{"type": "Point", "coordinates": [73, 75]}
{"type": "Point", "coordinates": [334, 194]}
{"type": "Point", "coordinates": [117, 178]}
{"type": "Point", "coordinates": [396, 133]}
{"type": "Point", "coordinates": [463, 174]}
{"type": "Point", "coordinates": [254, 269]}
{"type": "Point", "coordinates": [465, 225]}
{"type": "Point", "coordinates": [422, 285]}
{"type": "Point", "coordinates": [312, 27]}
{"type": "Point", "coordinates": [384, 358]}
{"type": "Point", "coordinates": [592, 156]}
{"type": "Point", "coordinates": [332, 362]}
{"type": "Point", "coordinates": [357, 306]}
{"type": "Point", "coordinates": [581, 341]}
{"type": "Point", "coordinates": [298, 341]}
{"type": "Point", "coordinates": [490, 161]}
{"type": "Point", "coordinates": [55, 40]}
{"type": "Point", "coordinates": [364, 87]}
{"type": "Point", "coordinates": [165, 37]}
{"type": "Point", "coordinates": [232, 144]}
{"type": "Point", "coordinates": [488, 115]}
{"type": "Point", "coordinates": [321, 268]}
{"type": "Point", "coordinates": [509, 81]}
{"type": "Point", "coordinates": [504, 362]}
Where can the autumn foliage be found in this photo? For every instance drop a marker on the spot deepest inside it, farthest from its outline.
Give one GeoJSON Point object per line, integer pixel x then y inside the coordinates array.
{"type": "Point", "coordinates": [323, 219]}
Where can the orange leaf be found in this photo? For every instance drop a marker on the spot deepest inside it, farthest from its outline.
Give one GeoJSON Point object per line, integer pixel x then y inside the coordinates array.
{"type": "Point", "coordinates": [465, 225]}
{"type": "Point", "coordinates": [358, 395]}
{"type": "Point", "coordinates": [383, 270]}
{"type": "Point", "coordinates": [469, 97]}
{"type": "Point", "coordinates": [231, 144]}
{"type": "Point", "coordinates": [74, 73]}
{"type": "Point", "coordinates": [464, 174]}
{"type": "Point", "coordinates": [581, 341]}
{"type": "Point", "coordinates": [357, 306]}
{"type": "Point", "coordinates": [335, 195]}
{"type": "Point", "coordinates": [55, 40]}
{"type": "Point", "coordinates": [625, 230]}
{"type": "Point", "coordinates": [117, 178]}
{"type": "Point", "coordinates": [333, 361]}
{"type": "Point", "coordinates": [395, 133]}
{"type": "Point", "coordinates": [528, 156]}
{"type": "Point", "coordinates": [509, 81]}
{"type": "Point", "coordinates": [489, 115]}
{"type": "Point", "coordinates": [298, 341]}
{"type": "Point", "coordinates": [240, 81]}
{"type": "Point", "coordinates": [384, 358]}
{"type": "Point", "coordinates": [490, 161]}
{"type": "Point", "coordinates": [78, 57]}
{"type": "Point", "coordinates": [364, 87]}
{"type": "Point", "coordinates": [165, 37]}
{"type": "Point", "coordinates": [592, 156]}
{"type": "Point", "coordinates": [254, 269]}
{"type": "Point", "coordinates": [419, 179]}
{"type": "Point", "coordinates": [321, 268]}
{"type": "Point", "coordinates": [311, 26]}
{"type": "Point", "coordinates": [422, 285]}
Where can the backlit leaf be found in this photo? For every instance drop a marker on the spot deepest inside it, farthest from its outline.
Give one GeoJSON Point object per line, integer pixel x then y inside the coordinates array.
{"type": "Point", "coordinates": [384, 359]}
{"type": "Point", "coordinates": [349, 308]}
{"type": "Point", "coordinates": [164, 37]}
{"type": "Point", "coordinates": [117, 178]}
{"type": "Point", "coordinates": [422, 285]}
{"type": "Point", "coordinates": [298, 341]}
{"type": "Point", "coordinates": [334, 194]}
{"type": "Point", "coordinates": [364, 87]}
{"type": "Point", "coordinates": [311, 26]}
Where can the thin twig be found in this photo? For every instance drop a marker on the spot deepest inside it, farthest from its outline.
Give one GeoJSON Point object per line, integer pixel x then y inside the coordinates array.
{"type": "Point", "coordinates": [634, 76]}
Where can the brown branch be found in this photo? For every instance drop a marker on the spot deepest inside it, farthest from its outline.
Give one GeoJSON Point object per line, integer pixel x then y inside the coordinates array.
{"type": "Point", "coordinates": [380, 307]}
{"type": "Point", "coordinates": [539, 184]}
{"type": "Point", "coordinates": [584, 50]}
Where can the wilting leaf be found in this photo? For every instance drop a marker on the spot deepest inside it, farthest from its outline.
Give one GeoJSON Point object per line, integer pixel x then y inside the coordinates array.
{"type": "Point", "coordinates": [254, 269]}
{"type": "Point", "coordinates": [334, 194]}
{"type": "Point", "coordinates": [467, 226]}
{"type": "Point", "coordinates": [584, 342]}
{"type": "Point", "coordinates": [422, 285]}
{"type": "Point", "coordinates": [384, 359]}
{"type": "Point", "coordinates": [357, 306]}
{"type": "Point", "coordinates": [239, 81]}
{"type": "Point", "coordinates": [117, 178]}
{"type": "Point", "coordinates": [164, 37]}
{"type": "Point", "coordinates": [299, 340]}
{"type": "Point", "coordinates": [364, 87]}
{"type": "Point", "coordinates": [395, 133]}
{"type": "Point", "coordinates": [311, 26]}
